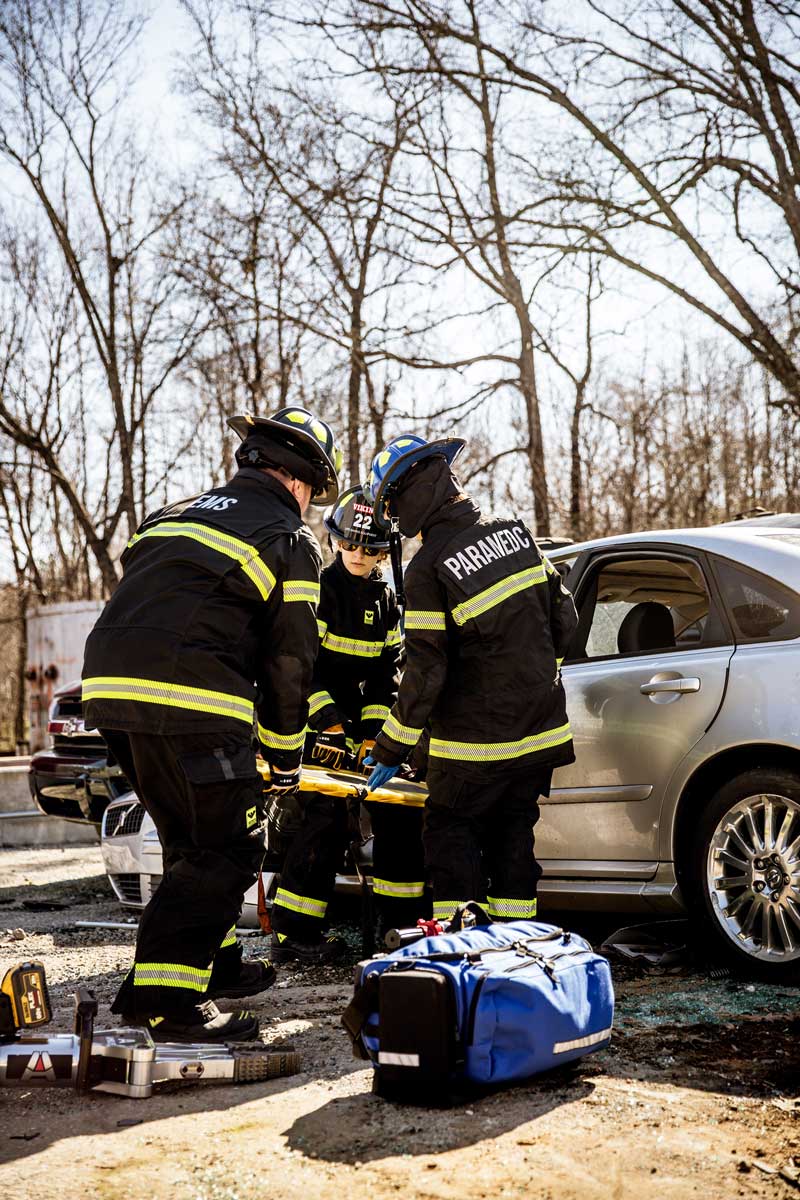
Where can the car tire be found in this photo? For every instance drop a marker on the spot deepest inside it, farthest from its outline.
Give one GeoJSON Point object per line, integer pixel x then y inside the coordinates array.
{"type": "Point", "coordinates": [743, 872]}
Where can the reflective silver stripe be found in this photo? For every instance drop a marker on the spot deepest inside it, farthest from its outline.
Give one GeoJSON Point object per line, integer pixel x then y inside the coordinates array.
{"type": "Point", "coordinates": [420, 619]}
{"type": "Point", "coordinates": [229, 939]}
{"type": "Point", "coordinates": [591, 1039]}
{"type": "Point", "coordinates": [281, 741]}
{"type": "Point", "coordinates": [374, 712]}
{"type": "Point", "coordinates": [504, 907]}
{"type": "Point", "coordinates": [393, 638]}
{"type": "Point", "coordinates": [384, 887]}
{"type": "Point", "coordinates": [390, 1058]}
{"type": "Point", "coordinates": [175, 695]}
{"type": "Point", "coordinates": [247, 556]}
{"type": "Point", "coordinates": [497, 593]}
{"type": "Point", "coordinates": [356, 646]}
{"type": "Point", "coordinates": [318, 701]}
{"type": "Point", "coordinates": [306, 905]}
{"type": "Point", "coordinates": [171, 975]}
{"type": "Point", "coordinates": [301, 589]}
{"type": "Point", "coordinates": [321, 627]}
{"type": "Point", "coordinates": [497, 751]}
{"type": "Point", "coordinates": [444, 909]}
{"type": "Point", "coordinates": [401, 733]}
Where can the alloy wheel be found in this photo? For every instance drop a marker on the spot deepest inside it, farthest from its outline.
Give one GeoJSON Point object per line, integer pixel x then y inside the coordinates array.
{"type": "Point", "coordinates": [753, 876]}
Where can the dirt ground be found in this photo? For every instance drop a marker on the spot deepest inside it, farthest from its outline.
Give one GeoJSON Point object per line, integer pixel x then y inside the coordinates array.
{"type": "Point", "coordinates": [698, 1094]}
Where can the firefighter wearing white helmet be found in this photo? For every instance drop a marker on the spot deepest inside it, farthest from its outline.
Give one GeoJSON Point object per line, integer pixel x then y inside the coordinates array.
{"type": "Point", "coordinates": [487, 622]}
{"type": "Point", "coordinates": [212, 627]}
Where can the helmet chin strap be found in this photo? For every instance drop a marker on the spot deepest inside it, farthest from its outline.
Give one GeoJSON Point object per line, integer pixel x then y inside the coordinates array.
{"type": "Point", "coordinates": [396, 556]}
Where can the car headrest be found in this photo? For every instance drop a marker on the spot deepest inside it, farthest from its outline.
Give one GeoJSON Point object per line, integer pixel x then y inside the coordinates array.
{"type": "Point", "coordinates": [647, 626]}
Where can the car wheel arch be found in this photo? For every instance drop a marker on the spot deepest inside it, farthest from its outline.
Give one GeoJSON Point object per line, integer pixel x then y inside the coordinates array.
{"type": "Point", "coordinates": [712, 774]}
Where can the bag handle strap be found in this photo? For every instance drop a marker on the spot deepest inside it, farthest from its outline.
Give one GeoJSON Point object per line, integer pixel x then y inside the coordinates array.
{"type": "Point", "coordinates": [354, 1017]}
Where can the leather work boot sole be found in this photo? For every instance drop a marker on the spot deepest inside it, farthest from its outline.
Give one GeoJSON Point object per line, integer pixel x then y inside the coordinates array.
{"type": "Point", "coordinates": [200, 1023]}
{"type": "Point", "coordinates": [255, 976]}
{"type": "Point", "coordinates": [323, 953]}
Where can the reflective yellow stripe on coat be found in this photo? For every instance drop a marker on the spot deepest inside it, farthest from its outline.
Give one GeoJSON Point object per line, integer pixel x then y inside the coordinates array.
{"type": "Point", "coordinates": [247, 556]}
{"type": "Point", "coordinates": [175, 695]}
{"type": "Point", "coordinates": [498, 751]}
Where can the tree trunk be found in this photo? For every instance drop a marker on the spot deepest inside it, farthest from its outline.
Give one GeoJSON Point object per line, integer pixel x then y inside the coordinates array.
{"type": "Point", "coordinates": [536, 466]}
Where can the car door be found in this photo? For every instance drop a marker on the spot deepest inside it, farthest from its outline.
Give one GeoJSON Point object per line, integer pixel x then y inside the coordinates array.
{"type": "Point", "coordinates": [644, 678]}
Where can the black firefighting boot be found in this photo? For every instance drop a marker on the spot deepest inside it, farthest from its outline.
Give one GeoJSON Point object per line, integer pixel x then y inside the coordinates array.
{"type": "Point", "coordinates": [326, 950]}
{"type": "Point", "coordinates": [249, 979]}
{"type": "Point", "coordinates": [200, 1023]}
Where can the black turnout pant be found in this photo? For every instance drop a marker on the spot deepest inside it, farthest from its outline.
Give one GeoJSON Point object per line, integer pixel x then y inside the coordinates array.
{"type": "Point", "coordinates": [478, 839]}
{"type": "Point", "coordinates": [317, 852]}
{"type": "Point", "coordinates": [205, 797]}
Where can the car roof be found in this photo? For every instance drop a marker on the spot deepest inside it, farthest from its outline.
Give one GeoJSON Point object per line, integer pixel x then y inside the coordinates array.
{"type": "Point", "coordinates": [775, 551]}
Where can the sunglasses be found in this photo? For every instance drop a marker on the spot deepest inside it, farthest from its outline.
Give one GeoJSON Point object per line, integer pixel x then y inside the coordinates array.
{"type": "Point", "coordinates": [368, 550]}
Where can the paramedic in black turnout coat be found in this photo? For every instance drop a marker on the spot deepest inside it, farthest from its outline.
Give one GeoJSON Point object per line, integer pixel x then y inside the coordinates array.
{"type": "Point", "coordinates": [213, 625]}
{"type": "Point", "coordinates": [487, 623]}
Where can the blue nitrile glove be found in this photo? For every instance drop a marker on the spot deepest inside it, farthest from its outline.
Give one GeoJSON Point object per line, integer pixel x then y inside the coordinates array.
{"type": "Point", "coordinates": [379, 774]}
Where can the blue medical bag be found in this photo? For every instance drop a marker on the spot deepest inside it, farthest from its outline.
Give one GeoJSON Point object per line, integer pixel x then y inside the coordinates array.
{"type": "Point", "coordinates": [488, 1005]}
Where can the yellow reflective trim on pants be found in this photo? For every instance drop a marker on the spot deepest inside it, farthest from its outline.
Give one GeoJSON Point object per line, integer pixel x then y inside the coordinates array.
{"type": "Point", "coordinates": [306, 905]}
{"type": "Point", "coordinates": [524, 910]}
{"type": "Point", "coordinates": [317, 701]}
{"type": "Point", "coordinates": [399, 891]}
{"type": "Point", "coordinates": [355, 646]}
{"type": "Point", "coordinates": [301, 589]}
{"type": "Point", "coordinates": [401, 733]}
{"type": "Point", "coordinates": [497, 593]}
{"type": "Point", "coordinates": [229, 939]}
{"type": "Point", "coordinates": [559, 661]}
{"type": "Point", "coordinates": [171, 975]}
{"type": "Point", "coordinates": [393, 638]}
{"type": "Point", "coordinates": [443, 909]}
{"type": "Point", "coordinates": [281, 741]}
{"type": "Point", "coordinates": [498, 751]}
{"type": "Point", "coordinates": [420, 619]}
{"type": "Point", "coordinates": [247, 556]}
{"type": "Point", "coordinates": [175, 695]}
{"type": "Point", "coordinates": [374, 712]}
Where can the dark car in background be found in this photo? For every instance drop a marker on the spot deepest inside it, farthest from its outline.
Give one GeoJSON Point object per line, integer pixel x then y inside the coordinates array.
{"type": "Point", "coordinates": [72, 779]}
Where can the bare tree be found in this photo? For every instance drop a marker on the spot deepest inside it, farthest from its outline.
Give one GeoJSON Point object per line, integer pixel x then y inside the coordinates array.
{"type": "Point", "coordinates": [686, 114]}
{"type": "Point", "coordinates": [61, 132]}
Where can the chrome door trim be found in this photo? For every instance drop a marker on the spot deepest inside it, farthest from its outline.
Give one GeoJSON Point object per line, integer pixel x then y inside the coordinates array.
{"type": "Point", "coordinates": [623, 794]}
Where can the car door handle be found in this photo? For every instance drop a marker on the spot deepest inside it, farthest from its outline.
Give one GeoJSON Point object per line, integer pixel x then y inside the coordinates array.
{"type": "Point", "coordinates": [669, 685]}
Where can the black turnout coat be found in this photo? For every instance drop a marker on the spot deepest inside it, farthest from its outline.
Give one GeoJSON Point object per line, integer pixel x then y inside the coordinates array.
{"type": "Point", "coordinates": [214, 621]}
{"type": "Point", "coordinates": [487, 622]}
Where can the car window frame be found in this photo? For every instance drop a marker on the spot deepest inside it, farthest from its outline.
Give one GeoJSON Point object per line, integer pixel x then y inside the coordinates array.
{"type": "Point", "coordinates": [746, 569]}
{"type": "Point", "coordinates": [654, 550]}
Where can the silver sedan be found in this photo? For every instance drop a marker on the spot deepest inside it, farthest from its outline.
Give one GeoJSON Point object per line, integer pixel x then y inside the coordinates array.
{"type": "Point", "coordinates": [683, 689]}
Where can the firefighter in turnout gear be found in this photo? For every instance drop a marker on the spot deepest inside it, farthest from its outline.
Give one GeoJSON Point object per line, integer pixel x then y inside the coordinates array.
{"type": "Point", "coordinates": [355, 684]}
{"type": "Point", "coordinates": [213, 626]}
{"type": "Point", "coordinates": [487, 623]}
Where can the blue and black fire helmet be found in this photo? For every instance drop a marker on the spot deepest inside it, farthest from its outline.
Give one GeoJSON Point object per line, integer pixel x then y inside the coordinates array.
{"type": "Point", "coordinates": [352, 520]}
{"type": "Point", "coordinates": [389, 468]}
{"type": "Point", "coordinates": [296, 440]}
{"type": "Point", "coordinates": [395, 460]}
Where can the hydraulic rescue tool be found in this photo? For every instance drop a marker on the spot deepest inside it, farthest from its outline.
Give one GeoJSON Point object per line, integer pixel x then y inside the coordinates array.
{"type": "Point", "coordinates": [467, 916]}
{"type": "Point", "coordinates": [125, 1061]}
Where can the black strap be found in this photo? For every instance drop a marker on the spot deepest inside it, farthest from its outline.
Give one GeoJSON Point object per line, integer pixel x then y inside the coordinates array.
{"type": "Point", "coordinates": [354, 1017]}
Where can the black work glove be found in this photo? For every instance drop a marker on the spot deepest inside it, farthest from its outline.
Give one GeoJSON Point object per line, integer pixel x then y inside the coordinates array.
{"type": "Point", "coordinates": [330, 748]}
{"type": "Point", "coordinates": [284, 781]}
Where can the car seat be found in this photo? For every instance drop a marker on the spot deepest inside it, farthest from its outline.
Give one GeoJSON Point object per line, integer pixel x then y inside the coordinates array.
{"type": "Point", "coordinates": [647, 626]}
